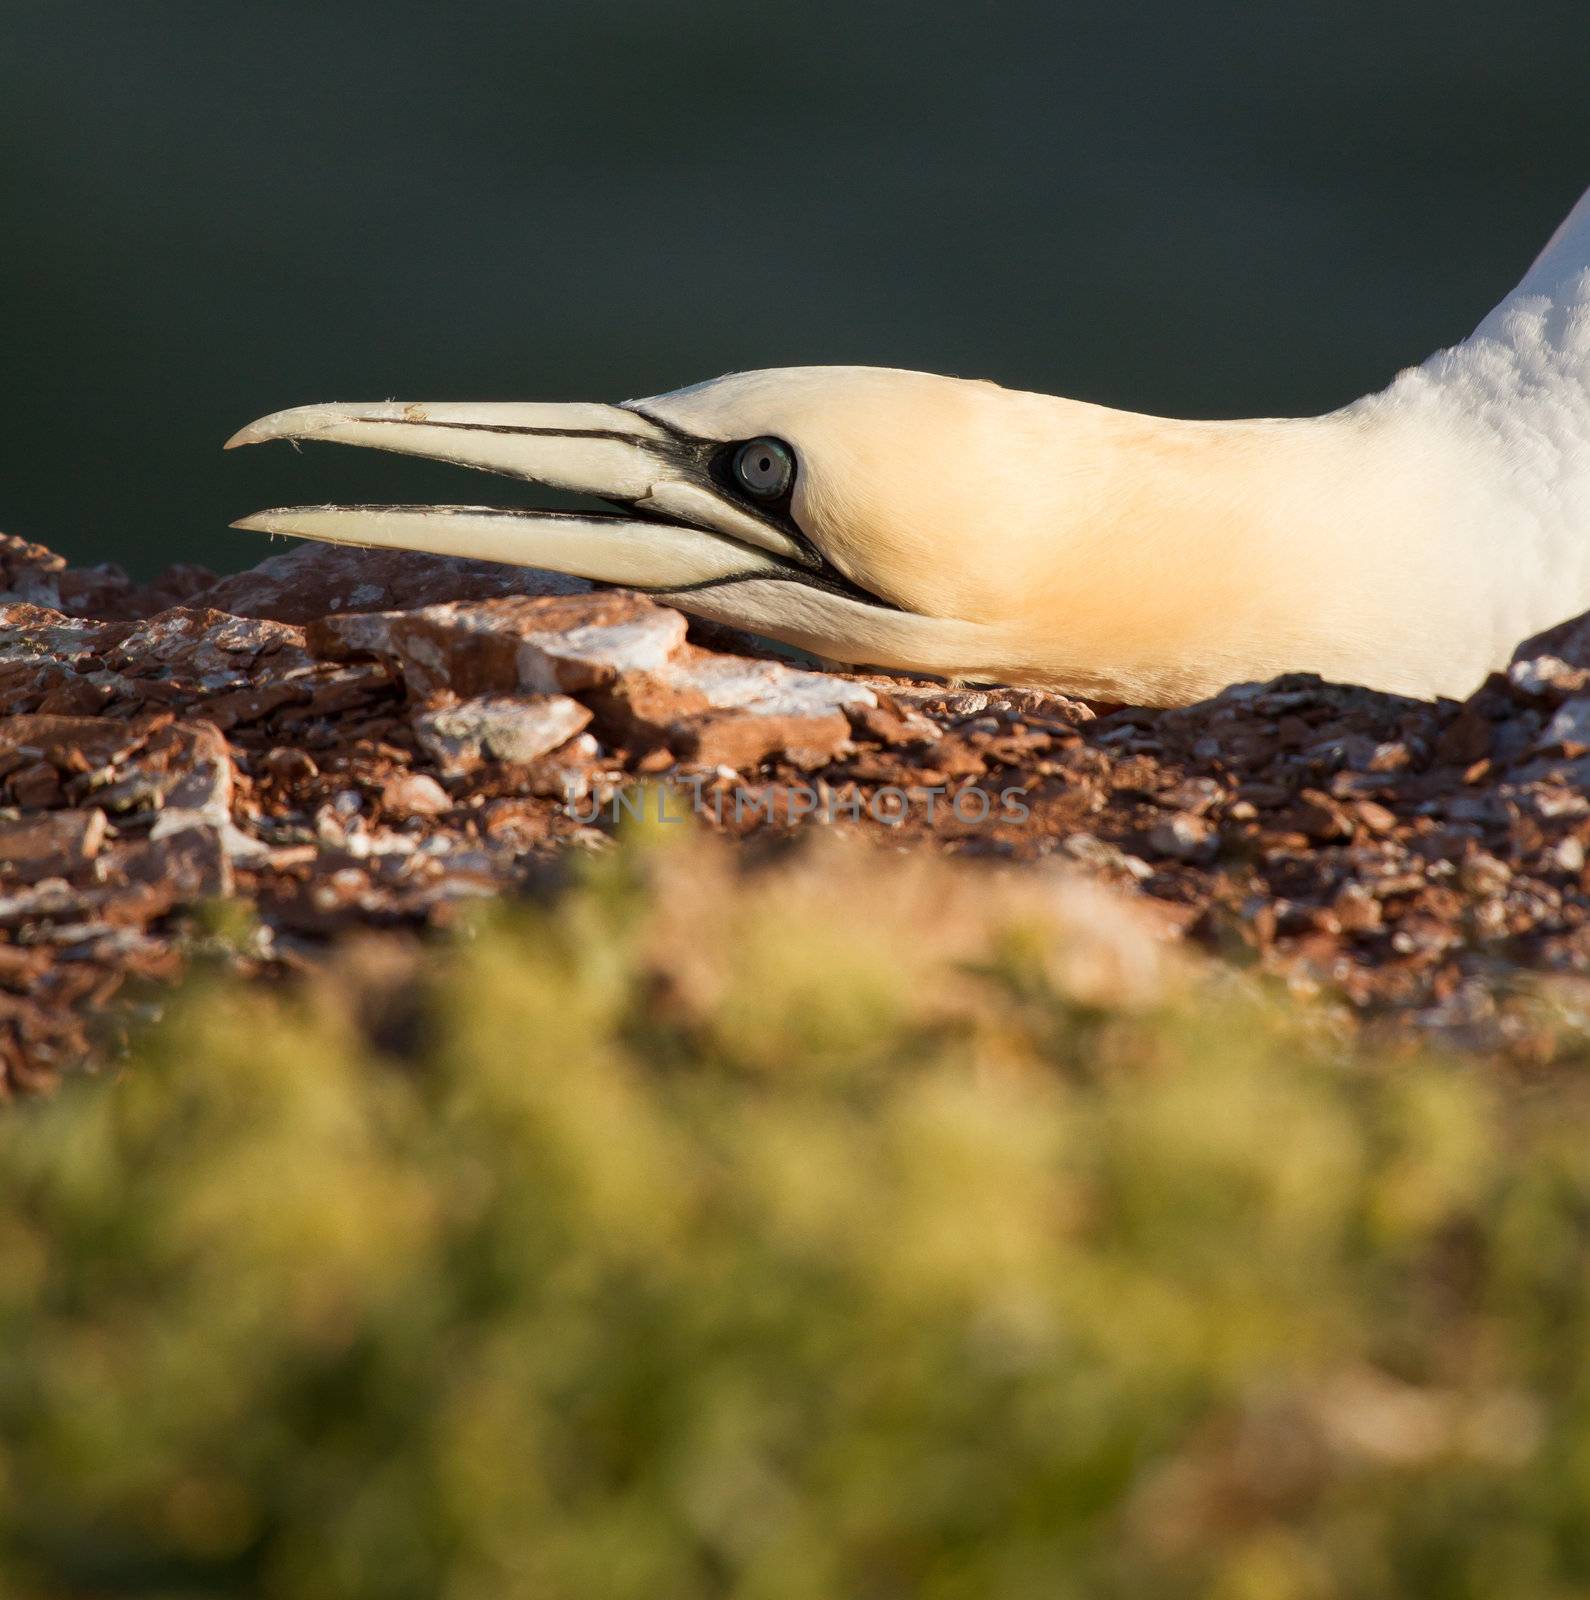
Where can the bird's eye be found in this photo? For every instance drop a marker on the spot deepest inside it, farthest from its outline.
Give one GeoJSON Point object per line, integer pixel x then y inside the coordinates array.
{"type": "Point", "coordinates": [764, 467]}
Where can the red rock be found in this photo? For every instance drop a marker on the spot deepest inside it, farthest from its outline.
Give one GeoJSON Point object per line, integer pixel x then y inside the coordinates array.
{"type": "Point", "coordinates": [337, 691]}
{"type": "Point", "coordinates": [313, 580]}
{"type": "Point", "coordinates": [1195, 795]}
{"type": "Point", "coordinates": [593, 655]}
{"type": "Point", "coordinates": [185, 865]}
{"type": "Point", "coordinates": [767, 688]}
{"type": "Point", "coordinates": [500, 727]}
{"type": "Point", "coordinates": [1569, 728]}
{"type": "Point", "coordinates": [21, 966]}
{"type": "Point", "coordinates": [24, 684]}
{"type": "Point", "coordinates": [1485, 875]}
{"type": "Point", "coordinates": [208, 649]}
{"type": "Point", "coordinates": [107, 592]}
{"type": "Point", "coordinates": [29, 572]}
{"type": "Point", "coordinates": [74, 744]}
{"type": "Point", "coordinates": [1374, 816]}
{"type": "Point", "coordinates": [626, 654]}
{"type": "Point", "coordinates": [515, 824]}
{"type": "Point", "coordinates": [40, 637]}
{"type": "Point", "coordinates": [413, 794]}
{"type": "Point", "coordinates": [183, 770]}
{"type": "Point", "coordinates": [49, 901]}
{"type": "Point", "coordinates": [641, 708]}
{"type": "Point", "coordinates": [55, 845]}
{"type": "Point", "coordinates": [940, 701]}
{"type": "Point", "coordinates": [743, 738]}
{"type": "Point", "coordinates": [36, 785]}
{"type": "Point", "coordinates": [240, 707]}
{"type": "Point", "coordinates": [703, 706]}
{"type": "Point", "coordinates": [892, 724]}
{"type": "Point", "coordinates": [1467, 739]}
{"type": "Point", "coordinates": [1183, 837]}
{"type": "Point", "coordinates": [290, 765]}
{"type": "Point", "coordinates": [1554, 662]}
{"type": "Point", "coordinates": [75, 696]}
{"type": "Point", "coordinates": [559, 643]}
{"type": "Point", "coordinates": [1321, 817]}
{"type": "Point", "coordinates": [202, 762]}
{"type": "Point", "coordinates": [956, 756]}
{"type": "Point", "coordinates": [1356, 910]}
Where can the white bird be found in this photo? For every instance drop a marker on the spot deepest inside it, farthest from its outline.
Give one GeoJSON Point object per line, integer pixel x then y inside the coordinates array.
{"type": "Point", "coordinates": [1405, 542]}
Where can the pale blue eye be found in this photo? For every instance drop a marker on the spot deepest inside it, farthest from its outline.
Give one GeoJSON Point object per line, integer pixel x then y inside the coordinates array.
{"type": "Point", "coordinates": [764, 467]}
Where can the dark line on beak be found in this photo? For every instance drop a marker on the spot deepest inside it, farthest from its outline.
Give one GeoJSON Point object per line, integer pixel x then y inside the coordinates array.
{"type": "Point", "coordinates": [524, 429]}
{"type": "Point", "coordinates": [522, 513]}
{"type": "Point", "coordinates": [828, 579]}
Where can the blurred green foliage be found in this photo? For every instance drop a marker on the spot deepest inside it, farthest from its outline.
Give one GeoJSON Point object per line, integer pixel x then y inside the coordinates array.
{"type": "Point", "coordinates": [763, 1236]}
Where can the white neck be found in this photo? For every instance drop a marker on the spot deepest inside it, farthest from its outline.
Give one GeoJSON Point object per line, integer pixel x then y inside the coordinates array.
{"type": "Point", "coordinates": [1521, 380]}
{"type": "Point", "coordinates": [1407, 541]}
{"type": "Point", "coordinates": [1500, 426]}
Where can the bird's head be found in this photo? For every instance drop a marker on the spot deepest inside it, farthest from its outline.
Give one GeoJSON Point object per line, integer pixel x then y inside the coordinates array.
{"type": "Point", "coordinates": [874, 516]}
{"type": "Point", "coordinates": [916, 488]}
{"type": "Point", "coordinates": [867, 514]}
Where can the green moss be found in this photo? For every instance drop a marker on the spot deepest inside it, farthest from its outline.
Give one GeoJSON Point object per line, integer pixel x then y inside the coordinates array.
{"type": "Point", "coordinates": [761, 1236]}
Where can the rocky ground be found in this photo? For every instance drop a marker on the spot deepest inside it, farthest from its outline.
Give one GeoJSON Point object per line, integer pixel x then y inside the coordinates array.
{"type": "Point", "coordinates": [340, 739]}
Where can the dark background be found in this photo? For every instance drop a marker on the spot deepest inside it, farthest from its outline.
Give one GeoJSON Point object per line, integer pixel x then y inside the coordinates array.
{"type": "Point", "coordinates": [212, 210]}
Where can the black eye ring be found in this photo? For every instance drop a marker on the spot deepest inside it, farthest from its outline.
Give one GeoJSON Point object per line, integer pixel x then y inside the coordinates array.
{"type": "Point", "coordinates": [764, 468]}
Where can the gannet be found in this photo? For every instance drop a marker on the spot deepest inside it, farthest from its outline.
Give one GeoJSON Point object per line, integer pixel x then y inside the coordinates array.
{"type": "Point", "coordinates": [904, 520]}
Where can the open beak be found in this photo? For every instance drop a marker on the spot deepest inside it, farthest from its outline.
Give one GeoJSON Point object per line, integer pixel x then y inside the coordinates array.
{"type": "Point", "coordinates": [679, 527]}
{"type": "Point", "coordinates": [683, 533]}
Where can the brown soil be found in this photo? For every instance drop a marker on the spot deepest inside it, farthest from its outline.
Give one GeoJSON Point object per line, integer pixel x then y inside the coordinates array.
{"type": "Point", "coordinates": [341, 739]}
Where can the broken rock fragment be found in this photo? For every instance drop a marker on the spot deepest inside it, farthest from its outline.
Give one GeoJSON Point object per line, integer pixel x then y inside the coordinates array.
{"type": "Point", "coordinates": [184, 864]}
{"type": "Point", "coordinates": [725, 711]}
{"type": "Point", "coordinates": [183, 771]}
{"type": "Point", "coordinates": [56, 844]}
{"type": "Point", "coordinates": [542, 645]}
{"type": "Point", "coordinates": [313, 580]}
{"type": "Point", "coordinates": [32, 573]}
{"type": "Point", "coordinates": [413, 794]}
{"type": "Point", "coordinates": [204, 649]}
{"type": "Point", "coordinates": [626, 656]}
{"type": "Point", "coordinates": [516, 728]}
{"type": "Point", "coordinates": [1569, 728]}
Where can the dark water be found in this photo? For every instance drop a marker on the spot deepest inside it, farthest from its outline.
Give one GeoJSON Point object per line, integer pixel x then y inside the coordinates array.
{"type": "Point", "coordinates": [208, 211]}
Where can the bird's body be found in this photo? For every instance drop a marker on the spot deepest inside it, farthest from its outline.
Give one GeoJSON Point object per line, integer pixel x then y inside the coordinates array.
{"type": "Point", "coordinates": [1407, 541]}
